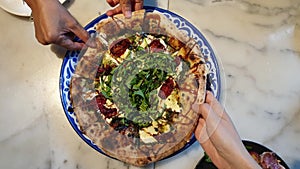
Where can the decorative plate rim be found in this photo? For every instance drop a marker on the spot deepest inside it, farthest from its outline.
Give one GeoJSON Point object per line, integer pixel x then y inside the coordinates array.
{"type": "Point", "coordinates": [67, 71]}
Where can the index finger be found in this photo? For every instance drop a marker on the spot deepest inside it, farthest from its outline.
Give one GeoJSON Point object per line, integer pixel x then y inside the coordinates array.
{"type": "Point", "coordinates": [139, 4]}
{"type": "Point", "coordinates": [80, 32]}
{"type": "Point", "coordinates": [113, 3]}
{"type": "Point", "coordinates": [67, 43]}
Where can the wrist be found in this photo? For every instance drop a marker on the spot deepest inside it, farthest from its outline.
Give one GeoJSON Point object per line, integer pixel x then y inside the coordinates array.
{"type": "Point", "coordinates": [241, 159]}
{"type": "Point", "coordinates": [31, 3]}
{"type": "Point", "coordinates": [248, 162]}
{"type": "Point", "coordinates": [36, 4]}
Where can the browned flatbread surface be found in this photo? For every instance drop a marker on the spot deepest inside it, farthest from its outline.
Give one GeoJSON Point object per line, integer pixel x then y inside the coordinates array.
{"type": "Point", "coordinates": [140, 126]}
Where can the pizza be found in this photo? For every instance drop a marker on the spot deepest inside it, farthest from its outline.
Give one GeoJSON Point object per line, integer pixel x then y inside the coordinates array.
{"type": "Point", "coordinates": [132, 95]}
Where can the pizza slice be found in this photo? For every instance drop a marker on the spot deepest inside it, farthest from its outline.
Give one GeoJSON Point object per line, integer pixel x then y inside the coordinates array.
{"type": "Point", "coordinates": [108, 28]}
{"type": "Point", "coordinates": [157, 23]}
{"type": "Point", "coordinates": [199, 69]}
{"type": "Point", "coordinates": [133, 24]}
{"type": "Point", "coordinates": [118, 27]}
{"type": "Point", "coordinates": [88, 64]}
{"type": "Point", "coordinates": [152, 24]}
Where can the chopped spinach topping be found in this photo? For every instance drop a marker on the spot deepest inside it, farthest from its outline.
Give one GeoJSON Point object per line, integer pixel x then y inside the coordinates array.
{"type": "Point", "coordinates": [135, 86]}
{"type": "Point", "coordinates": [142, 86]}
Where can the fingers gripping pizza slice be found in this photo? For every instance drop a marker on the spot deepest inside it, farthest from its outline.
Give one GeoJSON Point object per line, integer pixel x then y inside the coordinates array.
{"type": "Point", "coordinates": [132, 95]}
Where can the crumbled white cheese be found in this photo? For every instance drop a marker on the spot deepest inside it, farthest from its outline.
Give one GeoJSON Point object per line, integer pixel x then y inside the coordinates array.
{"type": "Point", "coordinates": [108, 102]}
{"type": "Point", "coordinates": [166, 128]}
{"type": "Point", "coordinates": [121, 115]}
{"type": "Point", "coordinates": [105, 78]}
{"type": "Point", "coordinates": [154, 124]}
{"type": "Point", "coordinates": [144, 43]}
{"type": "Point", "coordinates": [172, 102]}
{"type": "Point", "coordinates": [150, 130]}
{"type": "Point", "coordinates": [108, 120]}
{"type": "Point", "coordinates": [146, 138]}
{"type": "Point", "coordinates": [124, 55]}
{"type": "Point", "coordinates": [163, 43]}
{"type": "Point", "coordinates": [149, 39]}
{"type": "Point", "coordinates": [107, 59]}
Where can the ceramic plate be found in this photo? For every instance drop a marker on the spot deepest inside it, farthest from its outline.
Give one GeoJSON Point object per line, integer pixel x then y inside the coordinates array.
{"type": "Point", "coordinates": [251, 146]}
{"type": "Point", "coordinates": [71, 59]}
{"type": "Point", "coordinates": [17, 7]}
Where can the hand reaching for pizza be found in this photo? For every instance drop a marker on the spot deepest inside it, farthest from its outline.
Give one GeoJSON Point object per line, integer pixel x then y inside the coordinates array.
{"type": "Point", "coordinates": [124, 6]}
{"type": "Point", "coordinates": [55, 25]}
{"type": "Point", "coordinates": [219, 138]}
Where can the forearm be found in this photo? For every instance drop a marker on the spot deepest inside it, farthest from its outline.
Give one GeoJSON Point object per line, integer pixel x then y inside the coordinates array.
{"type": "Point", "coordinates": [235, 155]}
{"type": "Point", "coordinates": [245, 161]}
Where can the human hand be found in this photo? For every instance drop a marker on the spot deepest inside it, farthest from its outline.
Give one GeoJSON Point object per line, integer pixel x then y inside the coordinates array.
{"type": "Point", "coordinates": [55, 25]}
{"type": "Point", "coordinates": [219, 138]}
{"type": "Point", "coordinates": [124, 6]}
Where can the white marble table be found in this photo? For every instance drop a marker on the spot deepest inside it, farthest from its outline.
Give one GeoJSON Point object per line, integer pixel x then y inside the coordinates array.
{"type": "Point", "coordinates": [257, 43]}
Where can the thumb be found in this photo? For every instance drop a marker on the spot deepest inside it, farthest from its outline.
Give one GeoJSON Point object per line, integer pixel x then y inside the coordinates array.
{"type": "Point", "coordinates": [126, 8]}
{"type": "Point", "coordinates": [203, 109]}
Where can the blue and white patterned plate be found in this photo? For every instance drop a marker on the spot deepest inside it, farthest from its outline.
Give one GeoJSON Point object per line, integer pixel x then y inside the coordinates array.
{"type": "Point", "coordinates": [71, 59]}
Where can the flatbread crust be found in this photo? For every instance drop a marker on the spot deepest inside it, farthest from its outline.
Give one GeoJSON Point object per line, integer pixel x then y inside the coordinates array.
{"type": "Point", "coordinates": [88, 102]}
{"type": "Point", "coordinates": [133, 24]}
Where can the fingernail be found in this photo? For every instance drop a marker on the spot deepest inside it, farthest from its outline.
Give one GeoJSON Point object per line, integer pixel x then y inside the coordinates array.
{"type": "Point", "coordinates": [127, 14]}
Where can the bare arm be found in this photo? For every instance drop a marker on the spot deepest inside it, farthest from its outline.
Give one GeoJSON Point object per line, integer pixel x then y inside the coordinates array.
{"type": "Point", "coordinates": [219, 138]}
